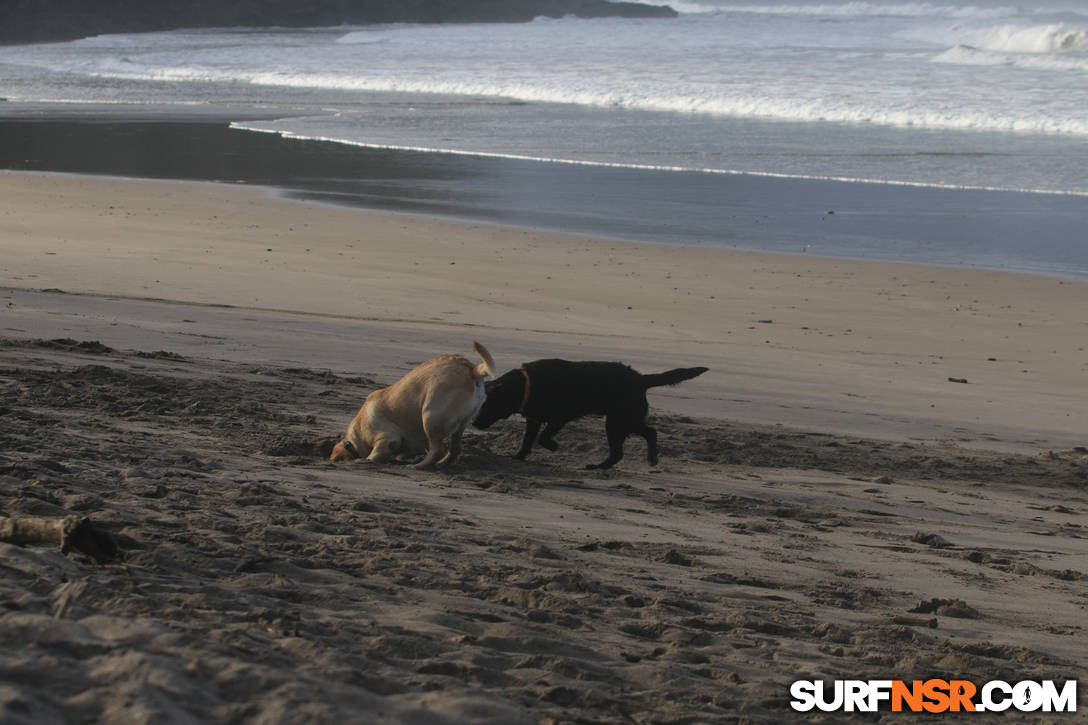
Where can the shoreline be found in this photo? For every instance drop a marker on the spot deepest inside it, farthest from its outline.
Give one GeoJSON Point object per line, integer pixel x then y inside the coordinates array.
{"type": "Point", "coordinates": [965, 228]}
{"type": "Point", "coordinates": [289, 136]}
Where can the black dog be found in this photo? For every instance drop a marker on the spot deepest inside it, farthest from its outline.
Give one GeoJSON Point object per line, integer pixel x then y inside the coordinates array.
{"type": "Point", "coordinates": [555, 392]}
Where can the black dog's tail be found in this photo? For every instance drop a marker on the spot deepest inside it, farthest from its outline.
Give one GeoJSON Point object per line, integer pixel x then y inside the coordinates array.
{"type": "Point", "coordinates": [672, 377]}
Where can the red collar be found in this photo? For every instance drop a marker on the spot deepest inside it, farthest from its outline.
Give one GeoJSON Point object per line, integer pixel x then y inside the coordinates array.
{"type": "Point", "coordinates": [525, 397]}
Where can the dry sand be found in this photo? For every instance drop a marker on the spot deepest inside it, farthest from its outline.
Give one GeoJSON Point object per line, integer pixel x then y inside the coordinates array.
{"type": "Point", "coordinates": [878, 448]}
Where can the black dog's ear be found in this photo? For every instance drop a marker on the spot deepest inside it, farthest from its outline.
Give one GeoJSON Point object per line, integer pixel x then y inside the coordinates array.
{"type": "Point", "coordinates": [490, 385]}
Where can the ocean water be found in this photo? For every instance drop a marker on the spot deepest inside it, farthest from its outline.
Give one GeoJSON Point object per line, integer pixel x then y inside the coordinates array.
{"type": "Point", "coordinates": [945, 95]}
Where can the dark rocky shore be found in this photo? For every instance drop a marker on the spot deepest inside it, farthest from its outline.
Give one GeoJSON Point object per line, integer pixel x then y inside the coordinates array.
{"type": "Point", "coordinates": [26, 21]}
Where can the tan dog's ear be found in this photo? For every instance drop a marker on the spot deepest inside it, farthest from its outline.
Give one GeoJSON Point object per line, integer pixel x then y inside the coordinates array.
{"type": "Point", "coordinates": [340, 452]}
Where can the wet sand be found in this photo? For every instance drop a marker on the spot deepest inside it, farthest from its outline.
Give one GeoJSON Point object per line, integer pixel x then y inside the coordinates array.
{"type": "Point", "coordinates": [1004, 230]}
{"type": "Point", "coordinates": [882, 475]}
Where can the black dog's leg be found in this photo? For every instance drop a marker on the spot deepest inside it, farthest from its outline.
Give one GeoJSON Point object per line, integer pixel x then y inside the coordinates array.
{"type": "Point", "coordinates": [547, 438]}
{"type": "Point", "coordinates": [651, 443]}
{"type": "Point", "coordinates": [617, 434]}
{"type": "Point", "coordinates": [532, 427]}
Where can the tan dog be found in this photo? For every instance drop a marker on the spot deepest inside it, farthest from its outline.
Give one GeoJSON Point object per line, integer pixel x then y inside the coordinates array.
{"type": "Point", "coordinates": [428, 406]}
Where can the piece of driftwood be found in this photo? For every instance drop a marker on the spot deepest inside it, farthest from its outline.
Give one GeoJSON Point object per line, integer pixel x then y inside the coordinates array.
{"type": "Point", "coordinates": [930, 622]}
{"type": "Point", "coordinates": [69, 532]}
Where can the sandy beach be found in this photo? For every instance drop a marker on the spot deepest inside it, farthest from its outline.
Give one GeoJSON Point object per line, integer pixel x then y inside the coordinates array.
{"type": "Point", "coordinates": [883, 474]}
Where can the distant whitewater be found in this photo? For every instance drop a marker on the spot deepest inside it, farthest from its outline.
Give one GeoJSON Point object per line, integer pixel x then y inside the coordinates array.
{"type": "Point", "coordinates": [977, 94]}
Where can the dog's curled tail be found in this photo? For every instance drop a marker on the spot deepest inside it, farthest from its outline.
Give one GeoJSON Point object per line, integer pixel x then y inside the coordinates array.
{"type": "Point", "coordinates": [487, 367]}
{"type": "Point", "coordinates": [672, 377]}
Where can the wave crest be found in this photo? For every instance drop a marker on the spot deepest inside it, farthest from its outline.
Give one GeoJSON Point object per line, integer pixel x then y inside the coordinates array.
{"type": "Point", "coordinates": [1036, 39]}
{"type": "Point", "coordinates": [1045, 47]}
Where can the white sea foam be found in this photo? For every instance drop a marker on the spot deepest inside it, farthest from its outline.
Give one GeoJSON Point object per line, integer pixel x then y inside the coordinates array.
{"type": "Point", "coordinates": [751, 103]}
